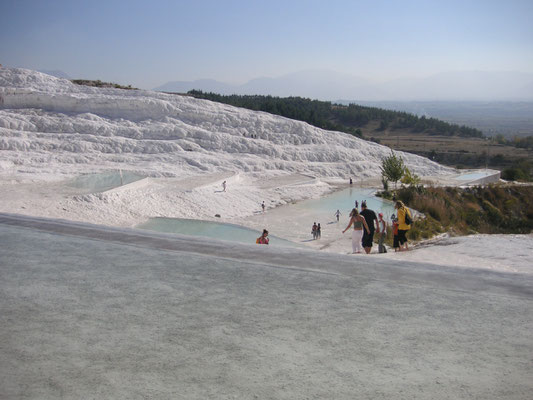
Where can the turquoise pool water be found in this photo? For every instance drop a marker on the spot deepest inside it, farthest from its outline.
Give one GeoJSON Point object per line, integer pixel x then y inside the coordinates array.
{"type": "Point", "coordinates": [104, 181]}
{"type": "Point", "coordinates": [473, 176]}
{"type": "Point", "coordinates": [217, 230]}
{"type": "Point", "coordinates": [316, 210]}
{"type": "Point", "coordinates": [344, 201]}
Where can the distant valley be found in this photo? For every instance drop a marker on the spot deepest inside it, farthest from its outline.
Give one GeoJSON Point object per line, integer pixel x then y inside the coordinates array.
{"type": "Point", "coordinates": [508, 118]}
{"type": "Point", "coordinates": [493, 102]}
{"type": "Point", "coordinates": [496, 103]}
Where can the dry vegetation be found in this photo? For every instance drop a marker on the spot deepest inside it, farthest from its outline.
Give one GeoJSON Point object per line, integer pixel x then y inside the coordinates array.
{"type": "Point", "coordinates": [461, 152]}
{"type": "Point", "coordinates": [490, 209]}
{"type": "Point", "coordinates": [100, 84]}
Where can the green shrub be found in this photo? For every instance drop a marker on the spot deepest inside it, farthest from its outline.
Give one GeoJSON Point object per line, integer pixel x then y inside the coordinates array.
{"type": "Point", "coordinates": [494, 215]}
{"type": "Point", "coordinates": [515, 174]}
{"type": "Point", "coordinates": [472, 218]}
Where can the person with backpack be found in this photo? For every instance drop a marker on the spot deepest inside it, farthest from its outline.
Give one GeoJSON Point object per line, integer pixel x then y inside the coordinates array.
{"type": "Point", "coordinates": [404, 224]}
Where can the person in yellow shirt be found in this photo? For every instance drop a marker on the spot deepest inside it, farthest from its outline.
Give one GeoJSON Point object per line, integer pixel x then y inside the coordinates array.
{"type": "Point", "coordinates": [403, 227]}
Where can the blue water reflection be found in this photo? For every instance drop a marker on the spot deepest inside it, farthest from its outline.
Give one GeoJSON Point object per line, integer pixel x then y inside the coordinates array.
{"type": "Point", "coordinates": [217, 230]}
{"type": "Point", "coordinates": [344, 200]}
{"type": "Point", "coordinates": [473, 176]}
{"type": "Point", "coordinates": [104, 181]}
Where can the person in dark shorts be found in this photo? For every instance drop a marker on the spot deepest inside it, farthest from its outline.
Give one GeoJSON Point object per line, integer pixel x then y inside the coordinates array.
{"type": "Point", "coordinates": [369, 216]}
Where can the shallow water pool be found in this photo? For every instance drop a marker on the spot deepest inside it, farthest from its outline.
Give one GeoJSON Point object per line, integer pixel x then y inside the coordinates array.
{"type": "Point", "coordinates": [217, 230]}
{"type": "Point", "coordinates": [344, 201]}
{"type": "Point", "coordinates": [474, 175]}
{"type": "Point", "coordinates": [104, 181]}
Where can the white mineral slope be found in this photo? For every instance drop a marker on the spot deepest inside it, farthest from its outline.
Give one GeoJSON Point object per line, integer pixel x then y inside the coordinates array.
{"type": "Point", "coordinates": [81, 128]}
{"type": "Point", "coordinates": [501, 253]}
{"type": "Point", "coordinates": [52, 130]}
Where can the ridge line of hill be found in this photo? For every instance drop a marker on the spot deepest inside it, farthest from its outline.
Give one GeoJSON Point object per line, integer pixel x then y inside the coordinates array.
{"type": "Point", "coordinates": [344, 118]}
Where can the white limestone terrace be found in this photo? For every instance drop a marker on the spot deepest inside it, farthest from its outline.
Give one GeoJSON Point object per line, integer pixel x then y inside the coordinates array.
{"type": "Point", "coordinates": [90, 311]}
{"type": "Point", "coordinates": [52, 130]}
{"type": "Point", "coordinates": [93, 311]}
{"type": "Point", "coordinates": [80, 128]}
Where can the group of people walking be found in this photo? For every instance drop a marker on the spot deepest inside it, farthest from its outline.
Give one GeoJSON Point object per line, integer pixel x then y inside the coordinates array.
{"type": "Point", "coordinates": [366, 224]}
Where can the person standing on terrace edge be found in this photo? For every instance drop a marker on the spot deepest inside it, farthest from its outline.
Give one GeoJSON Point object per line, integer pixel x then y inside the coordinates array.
{"type": "Point", "coordinates": [403, 227]}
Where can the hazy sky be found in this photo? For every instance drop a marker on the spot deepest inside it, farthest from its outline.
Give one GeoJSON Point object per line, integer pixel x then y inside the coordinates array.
{"type": "Point", "coordinates": [147, 43]}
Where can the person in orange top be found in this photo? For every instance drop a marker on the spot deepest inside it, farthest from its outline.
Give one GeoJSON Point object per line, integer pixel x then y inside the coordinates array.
{"type": "Point", "coordinates": [263, 239]}
{"type": "Point", "coordinates": [402, 226]}
{"type": "Point", "coordinates": [395, 242]}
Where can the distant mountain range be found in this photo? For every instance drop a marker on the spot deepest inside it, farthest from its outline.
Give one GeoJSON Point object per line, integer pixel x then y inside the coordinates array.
{"type": "Point", "coordinates": [332, 86]}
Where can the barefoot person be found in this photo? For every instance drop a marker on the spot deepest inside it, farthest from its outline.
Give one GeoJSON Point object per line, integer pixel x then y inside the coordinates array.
{"type": "Point", "coordinates": [403, 227]}
{"type": "Point", "coordinates": [337, 214]}
{"type": "Point", "coordinates": [383, 233]}
{"type": "Point", "coordinates": [370, 217]}
{"type": "Point", "coordinates": [395, 241]}
{"type": "Point", "coordinates": [358, 223]}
